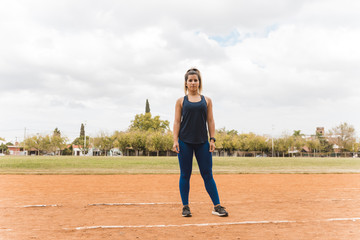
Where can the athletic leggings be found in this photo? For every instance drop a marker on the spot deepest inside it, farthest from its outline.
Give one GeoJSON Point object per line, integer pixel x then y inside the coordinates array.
{"type": "Point", "coordinates": [204, 159]}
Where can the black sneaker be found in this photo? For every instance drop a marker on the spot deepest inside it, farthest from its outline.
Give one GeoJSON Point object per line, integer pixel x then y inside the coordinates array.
{"type": "Point", "coordinates": [186, 211]}
{"type": "Point", "coordinates": [220, 211]}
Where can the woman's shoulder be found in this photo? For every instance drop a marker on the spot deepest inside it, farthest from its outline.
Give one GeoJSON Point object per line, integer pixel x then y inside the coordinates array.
{"type": "Point", "coordinates": [208, 100]}
{"type": "Point", "coordinates": [180, 101]}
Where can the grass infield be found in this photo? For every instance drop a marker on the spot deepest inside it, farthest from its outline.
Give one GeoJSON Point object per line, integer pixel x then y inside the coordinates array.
{"type": "Point", "coordinates": [169, 165]}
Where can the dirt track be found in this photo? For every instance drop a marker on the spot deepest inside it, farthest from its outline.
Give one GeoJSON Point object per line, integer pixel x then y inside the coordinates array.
{"type": "Point", "coordinates": [261, 206]}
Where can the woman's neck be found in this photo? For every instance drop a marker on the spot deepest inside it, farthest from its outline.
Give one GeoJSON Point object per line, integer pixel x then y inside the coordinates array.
{"type": "Point", "coordinates": [193, 94]}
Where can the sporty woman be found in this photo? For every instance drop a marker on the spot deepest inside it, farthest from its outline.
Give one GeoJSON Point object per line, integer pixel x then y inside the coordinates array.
{"type": "Point", "coordinates": [193, 113]}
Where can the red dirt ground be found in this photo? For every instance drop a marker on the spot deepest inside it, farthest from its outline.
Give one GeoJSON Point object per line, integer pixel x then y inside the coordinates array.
{"type": "Point", "coordinates": [261, 206]}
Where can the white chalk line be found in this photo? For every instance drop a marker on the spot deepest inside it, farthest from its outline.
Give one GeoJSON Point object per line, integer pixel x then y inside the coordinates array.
{"type": "Point", "coordinates": [31, 206]}
{"type": "Point", "coordinates": [344, 199]}
{"type": "Point", "coordinates": [213, 224]}
{"type": "Point", "coordinates": [130, 204]}
{"type": "Point", "coordinates": [177, 203]}
{"type": "Point", "coordinates": [168, 203]}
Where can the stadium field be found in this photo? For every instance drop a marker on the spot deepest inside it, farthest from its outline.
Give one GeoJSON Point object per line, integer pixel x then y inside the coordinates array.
{"type": "Point", "coordinates": [138, 198]}
{"type": "Point", "coordinates": [169, 165]}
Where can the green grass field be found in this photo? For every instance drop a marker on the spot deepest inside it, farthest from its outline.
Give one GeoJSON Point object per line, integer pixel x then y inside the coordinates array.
{"type": "Point", "coordinates": [169, 165]}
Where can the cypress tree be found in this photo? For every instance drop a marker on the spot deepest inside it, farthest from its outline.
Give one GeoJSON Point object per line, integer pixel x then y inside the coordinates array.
{"type": "Point", "coordinates": [82, 131]}
{"type": "Point", "coordinates": [57, 132]}
{"type": "Point", "coordinates": [147, 107]}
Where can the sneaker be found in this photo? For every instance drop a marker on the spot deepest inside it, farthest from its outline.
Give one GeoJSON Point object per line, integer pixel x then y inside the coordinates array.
{"type": "Point", "coordinates": [186, 211]}
{"type": "Point", "coordinates": [220, 211]}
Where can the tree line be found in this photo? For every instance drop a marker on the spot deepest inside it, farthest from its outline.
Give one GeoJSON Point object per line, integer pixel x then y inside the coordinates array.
{"type": "Point", "coordinates": [148, 135]}
{"type": "Point", "coordinates": [340, 139]}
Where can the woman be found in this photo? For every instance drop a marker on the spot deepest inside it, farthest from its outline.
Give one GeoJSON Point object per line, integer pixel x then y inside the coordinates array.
{"type": "Point", "coordinates": [192, 112]}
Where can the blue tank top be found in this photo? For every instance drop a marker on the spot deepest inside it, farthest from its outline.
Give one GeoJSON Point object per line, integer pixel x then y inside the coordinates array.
{"type": "Point", "coordinates": [193, 127]}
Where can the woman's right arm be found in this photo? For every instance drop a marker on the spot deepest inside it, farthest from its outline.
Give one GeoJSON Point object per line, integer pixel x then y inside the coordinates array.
{"type": "Point", "coordinates": [176, 128]}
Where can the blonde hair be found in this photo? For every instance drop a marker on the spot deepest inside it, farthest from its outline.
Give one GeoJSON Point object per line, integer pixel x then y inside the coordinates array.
{"type": "Point", "coordinates": [193, 71]}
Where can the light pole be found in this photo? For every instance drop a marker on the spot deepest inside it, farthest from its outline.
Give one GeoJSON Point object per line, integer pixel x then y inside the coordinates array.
{"type": "Point", "coordinates": [84, 138]}
{"type": "Point", "coordinates": [272, 141]}
{"type": "Point", "coordinates": [25, 153]}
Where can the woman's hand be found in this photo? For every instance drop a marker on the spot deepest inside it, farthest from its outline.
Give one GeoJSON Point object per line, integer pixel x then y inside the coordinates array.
{"type": "Point", "coordinates": [212, 146]}
{"type": "Point", "coordinates": [176, 147]}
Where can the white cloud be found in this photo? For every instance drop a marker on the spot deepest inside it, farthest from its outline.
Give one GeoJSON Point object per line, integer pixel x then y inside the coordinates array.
{"type": "Point", "coordinates": [294, 65]}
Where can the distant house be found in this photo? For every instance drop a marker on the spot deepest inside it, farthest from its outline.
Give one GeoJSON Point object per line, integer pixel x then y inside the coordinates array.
{"type": "Point", "coordinates": [305, 149]}
{"type": "Point", "coordinates": [16, 149]}
{"type": "Point", "coordinates": [93, 152]}
{"type": "Point", "coordinates": [115, 152]}
{"type": "Point", "coordinates": [336, 148]}
{"type": "Point", "coordinates": [77, 150]}
{"type": "Point", "coordinates": [32, 152]}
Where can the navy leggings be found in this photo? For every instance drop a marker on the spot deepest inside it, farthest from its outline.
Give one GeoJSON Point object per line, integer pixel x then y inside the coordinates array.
{"type": "Point", "coordinates": [204, 159]}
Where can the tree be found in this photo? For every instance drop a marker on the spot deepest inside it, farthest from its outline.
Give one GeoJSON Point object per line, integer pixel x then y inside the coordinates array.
{"type": "Point", "coordinates": [283, 144]}
{"type": "Point", "coordinates": [48, 143]}
{"type": "Point", "coordinates": [138, 141]}
{"type": "Point", "coordinates": [226, 140]}
{"type": "Point", "coordinates": [104, 142]}
{"type": "Point", "coordinates": [242, 142]}
{"type": "Point", "coordinates": [325, 145]}
{"type": "Point", "coordinates": [68, 151]}
{"type": "Point", "coordinates": [57, 132]}
{"type": "Point", "coordinates": [168, 142]}
{"type": "Point", "coordinates": [45, 144]}
{"type": "Point", "coordinates": [34, 142]}
{"type": "Point", "coordinates": [314, 145]}
{"type": "Point", "coordinates": [254, 143]}
{"type": "Point", "coordinates": [153, 142]}
{"type": "Point", "coordinates": [356, 147]}
{"type": "Point", "coordinates": [80, 142]}
{"type": "Point", "coordinates": [145, 122]}
{"type": "Point", "coordinates": [158, 141]}
{"type": "Point", "coordinates": [3, 148]}
{"type": "Point", "coordinates": [297, 133]}
{"type": "Point", "coordinates": [82, 131]}
{"type": "Point", "coordinates": [230, 141]}
{"type": "Point", "coordinates": [147, 107]}
{"type": "Point", "coordinates": [343, 136]}
{"type": "Point", "coordinates": [298, 141]}
{"type": "Point", "coordinates": [57, 142]}
{"type": "Point", "coordinates": [123, 141]}
{"type": "Point", "coordinates": [258, 143]}
{"type": "Point", "coordinates": [2, 139]}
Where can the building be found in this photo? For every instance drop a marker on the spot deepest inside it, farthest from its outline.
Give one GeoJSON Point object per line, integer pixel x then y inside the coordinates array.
{"type": "Point", "coordinates": [77, 150]}
{"type": "Point", "coordinates": [16, 150]}
{"type": "Point", "coordinates": [320, 131]}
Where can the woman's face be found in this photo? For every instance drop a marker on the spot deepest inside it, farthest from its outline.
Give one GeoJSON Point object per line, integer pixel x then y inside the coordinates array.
{"type": "Point", "coordinates": [192, 83]}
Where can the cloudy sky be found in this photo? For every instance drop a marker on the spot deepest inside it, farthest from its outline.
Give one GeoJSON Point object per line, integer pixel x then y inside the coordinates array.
{"type": "Point", "coordinates": [269, 66]}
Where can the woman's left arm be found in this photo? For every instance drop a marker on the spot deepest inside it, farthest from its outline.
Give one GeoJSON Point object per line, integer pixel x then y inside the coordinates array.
{"type": "Point", "coordinates": [211, 123]}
